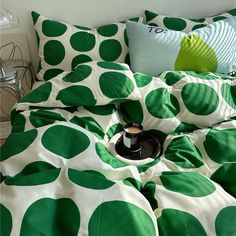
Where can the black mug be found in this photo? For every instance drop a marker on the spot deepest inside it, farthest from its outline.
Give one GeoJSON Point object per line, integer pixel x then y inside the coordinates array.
{"type": "Point", "coordinates": [132, 136]}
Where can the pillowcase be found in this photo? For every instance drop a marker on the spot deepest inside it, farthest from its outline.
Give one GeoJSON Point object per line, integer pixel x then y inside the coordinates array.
{"type": "Point", "coordinates": [183, 24]}
{"type": "Point", "coordinates": [92, 83]}
{"type": "Point", "coordinates": [181, 101]}
{"type": "Point", "coordinates": [63, 46]}
{"type": "Point", "coordinates": [154, 50]}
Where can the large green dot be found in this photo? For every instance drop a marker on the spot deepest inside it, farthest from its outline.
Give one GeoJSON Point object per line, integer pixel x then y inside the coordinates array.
{"type": "Point", "coordinates": [86, 179]}
{"type": "Point", "coordinates": [188, 183]}
{"type": "Point", "coordinates": [142, 80]}
{"type": "Point", "coordinates": [176, 222]}
{"type": "Point", "coordinates": [112, 65]}
{"type": "Point", "coordinates": [35, 173]}
{"type": "Point", "coordinates": [225, 176]}
{"type": "Point", "coordinates": [54, 52]}
{"type": "Point", "coordinates": [80, 73]}
{"type": "Point", "coordinates": [23, 141]}
{"type": "Point", "coordinates": [79, 59]}
{"type": "Point", "coordinates": [110, 50]}
{"type": "Point", "coordinates": [101, 110]}
{"type": "Point", "coordinates": [82, 41]}
{"type": "Point", "coordinates": [40, 94]}
{"type": "Point", "coordinates": [51, 217]}
{"type": "Point", "coordinates": [6, 221]}
{"type": "Point", "coordinates": [76, 95]}
{"type": "Point", "coordinates": [108, 30]}
{"type": "Point", "coordinates": [51, 73]}
{"type": "Point", "coordinates": [203, 56]}
{"type": "Point", "coordinates": [43, 117]}
{"type": "Point", "coordinates": [172, 23]}
{"type": "Point", "coordinates": [207, 99]}
{"type": "Point", "coordinates": [53, 28]}
{"type": "Point", "coordinates": [65, 141]}
{"type": "Point", "coordinates": [115, 85]}
{"type": "Point", "coordinates": [220, 145]}
{"type": "Point", "coordinates": [226, 222]}
{"type": "Point", "coordinates": [106, 157]}
{"type": "Point", "coordinates": [132, 112]}
{"type": "Point", "coordinates": [184, 153]}
{"type": "Point", "coordinates": [133, 221]}
{"type": "Point", "coordinates": [161, 104]}
{"type": "Point", "coordinates": [229, 94]}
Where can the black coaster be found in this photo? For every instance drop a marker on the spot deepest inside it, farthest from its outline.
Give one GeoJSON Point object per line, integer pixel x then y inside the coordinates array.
{"type": "Point", "coordinates": [150, 148]}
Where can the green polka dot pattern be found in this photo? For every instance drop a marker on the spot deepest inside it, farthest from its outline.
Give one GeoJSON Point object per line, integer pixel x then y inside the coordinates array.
{"type": "Point", "coordinates": [92, 83]}
{"type": "Point", "coordinates": [63, 46]}
{"type": "Point", "coordinates": [181, 101]}
{"type": "Point", "coordinates": [183, 24]}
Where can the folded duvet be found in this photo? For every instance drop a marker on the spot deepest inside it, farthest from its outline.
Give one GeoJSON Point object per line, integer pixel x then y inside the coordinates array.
{"type": "Point", "coordinates": [59, 178]}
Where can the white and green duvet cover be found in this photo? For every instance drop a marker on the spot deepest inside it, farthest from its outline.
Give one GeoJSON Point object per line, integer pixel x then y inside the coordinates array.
{"type": "Point", "coordinates": [58, 178]}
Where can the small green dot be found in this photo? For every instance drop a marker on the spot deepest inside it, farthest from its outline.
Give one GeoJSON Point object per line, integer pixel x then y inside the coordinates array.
{"type": "Point", "coordinates": [79, 59]}
{"type": "Point", "coordinates": [110, 49]}
{"type": "Point", "coordinates": [112, 65]}
{"type": "Point", "coordinates": [115, 85]}
{"type": "Point", "coordinates": [53, 28]}
{"type": "Point", "coordinates": [51, 73]}
{"type": "Point", "coordinates": [80, 73]}
{"type": "Point", "coordinates": [76, 95]}
{"type": "Point", "coordinates": [82, 41]}
{"type": "Point", "coordinates": [192, 184]}
{"type": "Point", "coordinates": [86, 179]}
{"type": "Point", "coordinates": [142, 80]}
{"type": "Point", "coordinates": [108, 30]}
{"type": "Point", "coordinates": [54, 52]}
{"type": "Point", "coordinates": [172, 23]}
{"type": "Point", "coordinates": [161, 104]}
{"type": "Point", "coordinates": [219, 18]}
{"type": "Point", "coordinates": [207, 99]}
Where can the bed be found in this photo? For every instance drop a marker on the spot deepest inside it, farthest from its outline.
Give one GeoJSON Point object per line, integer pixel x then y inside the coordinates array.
{"type": "Point", "coordinates": [58, 176]}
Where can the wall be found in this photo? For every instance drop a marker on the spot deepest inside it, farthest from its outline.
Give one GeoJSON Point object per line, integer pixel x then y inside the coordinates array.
{"type": "Point", "coordinates": [92, 12]}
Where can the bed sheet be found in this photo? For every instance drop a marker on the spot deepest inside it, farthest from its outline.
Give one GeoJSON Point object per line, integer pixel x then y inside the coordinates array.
{"type": "Point", "coordinates": [58, 178]}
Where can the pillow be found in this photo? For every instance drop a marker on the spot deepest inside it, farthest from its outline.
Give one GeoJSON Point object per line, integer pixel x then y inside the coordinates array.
{"type": "Point", "coordinates": [92, 83]}
{"type": "Point", "coordinates": [181, 101]}
{"type": "Point", "coordinates": [183, 24]}
{"type": "Point", "coordinates": [63, 46]}
{"type": "Point", "coordinates": [154, 50]}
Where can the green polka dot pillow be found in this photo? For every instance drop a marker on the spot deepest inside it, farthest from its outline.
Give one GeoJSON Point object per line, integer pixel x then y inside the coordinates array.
{"type": "Point", "coordinates": [154, 50]}
{"type": "Point", "coordinates": [63, 46]}
{"type": "Point", "coordinates": [181, 101]}
{"type": "Point", "coordinates": [92, 83]}
{"type": "Point", "coordinates": [183, 24]}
